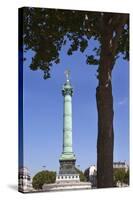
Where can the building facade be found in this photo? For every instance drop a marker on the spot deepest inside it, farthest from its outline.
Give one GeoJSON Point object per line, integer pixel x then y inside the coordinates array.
{"type": "Point", "coordinates": [25, 181]}
{"type": "Point", "coordinates": [120, 165]}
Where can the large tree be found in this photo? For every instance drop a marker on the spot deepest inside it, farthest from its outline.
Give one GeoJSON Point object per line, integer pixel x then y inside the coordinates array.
{"type": "Point", "coordinates": [45, 31]}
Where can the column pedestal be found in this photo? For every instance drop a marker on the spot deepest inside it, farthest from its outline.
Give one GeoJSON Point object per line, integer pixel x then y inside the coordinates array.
{"type": "Point", "coordinates": [67, 167]}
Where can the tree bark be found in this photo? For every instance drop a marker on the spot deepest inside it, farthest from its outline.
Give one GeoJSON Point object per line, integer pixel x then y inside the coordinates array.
{"type": "Point", "coordinates": [105, 140]}
{"type": "Point", "coordinates": [104, 98]}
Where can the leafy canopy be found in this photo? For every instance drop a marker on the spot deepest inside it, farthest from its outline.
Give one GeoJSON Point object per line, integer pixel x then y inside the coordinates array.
{"type": "Point", "coordinates": [121, 175]}
{"type": "Point", "coordinates": [43, 177]}
{"type": "Point", "coordinates": [46, 30]}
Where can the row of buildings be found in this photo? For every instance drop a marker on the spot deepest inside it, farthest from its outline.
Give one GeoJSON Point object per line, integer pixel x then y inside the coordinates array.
{"type": "Point", "coordinates": [91, 172]}
{"type": "Point", "coordinates": [25, 180]}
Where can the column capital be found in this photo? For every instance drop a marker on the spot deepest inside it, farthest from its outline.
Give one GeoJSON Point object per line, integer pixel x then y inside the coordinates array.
{"type": "Point", "coordinates": [67, 91]}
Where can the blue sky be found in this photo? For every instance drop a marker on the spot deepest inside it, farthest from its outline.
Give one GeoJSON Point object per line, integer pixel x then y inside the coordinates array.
{"type": "Point", "coordinates": [43, 112]}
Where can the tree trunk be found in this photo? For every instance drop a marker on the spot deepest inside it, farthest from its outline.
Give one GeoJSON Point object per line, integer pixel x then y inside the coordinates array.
{"type": "Point", "coordinates": [104, 98]}
{"type": "Point", "coordinates": [105, 137]}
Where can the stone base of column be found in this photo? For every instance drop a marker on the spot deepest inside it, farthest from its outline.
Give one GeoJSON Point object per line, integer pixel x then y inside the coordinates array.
{"type": "Point", "coordinates": [67, 172]}
{"type": "Point", "coordinates": [67, 167]}
{"type": "Point", "coordinates": [67, 178]}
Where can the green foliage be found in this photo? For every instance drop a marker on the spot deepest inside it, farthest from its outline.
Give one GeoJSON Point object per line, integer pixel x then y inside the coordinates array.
{"type": "Point", "coordinates": [81, 175]}
{"type": "Point", "coordinates": [123, 46]}
{"type": "Point", "coordinates": [43, 177]}
{"type": "Point", "coordinates": [92, 61]}
{"type": "Point", "coordinates": [126, 177]}
{"type": "Point", "coordinates": [45, 31]}
{"type": "Point", "coordinates": [121, 175]}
